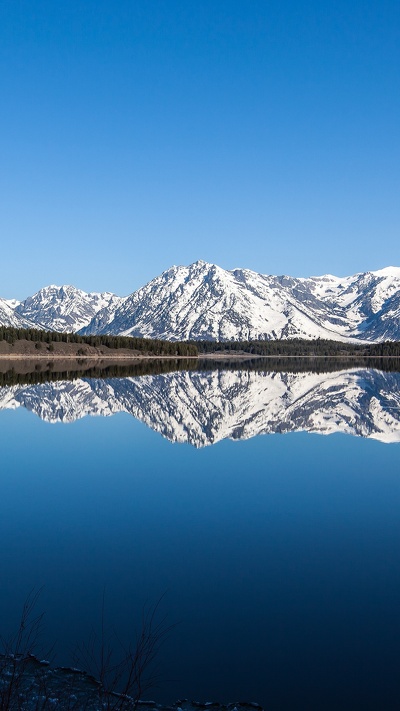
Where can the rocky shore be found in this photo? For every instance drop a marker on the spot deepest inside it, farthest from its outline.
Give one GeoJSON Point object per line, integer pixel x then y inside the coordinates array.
{"type": "Point", "coordinates": [30, 684]}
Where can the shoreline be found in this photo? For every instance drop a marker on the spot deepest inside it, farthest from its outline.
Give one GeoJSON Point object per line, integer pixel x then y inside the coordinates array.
{"type": "Point", "coordinates": [203, 356]}
{"type": "Point", "coordinates": [26, 677]}
{"type": "Point", "coordinates": [103, 358]}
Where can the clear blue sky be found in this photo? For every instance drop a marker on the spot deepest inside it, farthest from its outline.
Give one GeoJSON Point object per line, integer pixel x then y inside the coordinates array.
{"type": "Point", "coordinates": [143, 133]}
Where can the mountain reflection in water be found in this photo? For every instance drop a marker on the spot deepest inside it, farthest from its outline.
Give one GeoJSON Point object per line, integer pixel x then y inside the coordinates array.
{"type": "Point", "coordinates": [204, 407]}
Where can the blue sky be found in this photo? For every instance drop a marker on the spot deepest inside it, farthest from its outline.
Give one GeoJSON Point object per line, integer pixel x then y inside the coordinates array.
{"type": "Point", "coordinates": [139, 134]}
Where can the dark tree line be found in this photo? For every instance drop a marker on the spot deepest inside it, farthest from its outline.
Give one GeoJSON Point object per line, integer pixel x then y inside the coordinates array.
{"type": "Point", "coordinates": [301, 364]}
{"type": "Point", "coordinates": [141, 345]}
{"type": "Point", "coordinates": [46, 373]}
{"type": "Point", "coordinates": [290, 347]}
{"type": "Point", "coordinates": [300, 347]}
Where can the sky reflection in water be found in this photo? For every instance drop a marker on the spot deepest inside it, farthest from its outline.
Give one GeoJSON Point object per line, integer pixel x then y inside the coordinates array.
{"type": "Point", "coordinates": [278, 554]}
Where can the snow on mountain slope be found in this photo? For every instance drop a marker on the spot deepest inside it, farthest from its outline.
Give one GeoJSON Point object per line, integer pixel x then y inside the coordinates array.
{"type": "Point", "coordinates": [9, 317]}
{"type": "Point", "coordinates": [202, 408]}
{"type": "Point", "coordinates": [203, 301]}
{"type": "Point", "coordinates": [100, 323]}
{"type": "Point", "coordinates": [63, 308]}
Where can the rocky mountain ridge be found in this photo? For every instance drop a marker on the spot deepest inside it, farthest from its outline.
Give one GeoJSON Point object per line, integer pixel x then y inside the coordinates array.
{"type": "Point", "coordinates": [203, 301]}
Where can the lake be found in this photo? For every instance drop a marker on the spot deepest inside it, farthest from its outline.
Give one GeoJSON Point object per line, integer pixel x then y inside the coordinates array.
{"type": "Point", "coordinates": [261, 505]}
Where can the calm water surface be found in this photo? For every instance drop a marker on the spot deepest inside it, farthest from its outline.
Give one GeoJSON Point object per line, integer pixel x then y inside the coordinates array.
{"type": "Point", "coordinates": [278, 553]}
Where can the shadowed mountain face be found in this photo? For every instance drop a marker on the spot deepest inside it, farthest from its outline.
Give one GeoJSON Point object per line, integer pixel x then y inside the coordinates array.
{"type": "Point", "coordinates": [202, 408]}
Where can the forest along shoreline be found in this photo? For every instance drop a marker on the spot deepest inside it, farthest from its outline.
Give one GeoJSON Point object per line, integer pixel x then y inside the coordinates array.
{"type": "Point", "coordinates": [21, 343]}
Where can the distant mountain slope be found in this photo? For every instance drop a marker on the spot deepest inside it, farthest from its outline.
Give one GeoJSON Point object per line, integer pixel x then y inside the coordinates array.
{"type": "Point", "coordinates": [63, 308]}
{"type": "Point", "coordinates": [203, 301]}
{"type": "Point", "coordinates": [9, 315]}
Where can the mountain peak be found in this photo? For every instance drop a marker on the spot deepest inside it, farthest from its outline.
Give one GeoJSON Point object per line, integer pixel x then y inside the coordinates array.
{"type": "Point", "coordinates": [202, 301]}
{"type": "Point", "coordinates": [200, 264]}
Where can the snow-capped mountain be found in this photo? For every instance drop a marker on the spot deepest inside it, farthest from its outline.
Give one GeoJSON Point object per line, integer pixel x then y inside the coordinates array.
{"type": "Point", "coordinates": [9, 315]}
{"type": "Point", "coordinates": [202, 408]}
{"type": "Point", "coordinates": [203, 301]}
{"type": "Point", "coordinates": [64, 308]}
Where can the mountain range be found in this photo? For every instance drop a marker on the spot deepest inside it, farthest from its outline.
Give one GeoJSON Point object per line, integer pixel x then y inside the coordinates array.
{"type": "Point", "coordinates": [203, 408]}
{"type": "Point", "coordinates": [204, 301]}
